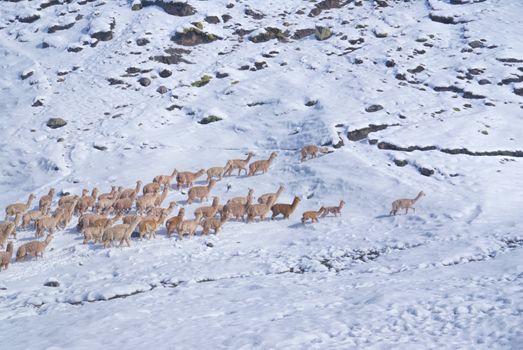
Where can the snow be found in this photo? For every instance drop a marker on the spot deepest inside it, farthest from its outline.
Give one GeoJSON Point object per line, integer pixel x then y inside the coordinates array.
{"type": "Point", "coordinates": [445, 276]}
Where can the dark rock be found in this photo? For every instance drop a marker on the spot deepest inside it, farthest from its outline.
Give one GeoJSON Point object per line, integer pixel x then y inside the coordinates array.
{"type": "Point", "coordinates": [144, 81]}
{"type": "Point", "coordinates": [518, 91]}
{"type": "Point", "coordinates": [142, 41]}
{"type": "Point", "coordinates": [244, 67]}
{"type": "Point", "coordinates": [193, 36]}
{"type": "Point", "coordinates": [26, 75]}
{"type": "Point", "coordinates": [52, 283]}
{"type": "Point", "coordinates": [356, 41]}
{"type": "Point", "coordinates": [57, 27]}
{"type": "Point", "coordinates": [390, 63]}
{"type": "Point", "coordinates": [260, 65]}
{"type": "Point", "coordinates": [242, 32]}
{"type": "Point", "coordinates": [50, 3]}
{"type": "Point", "coordinates": [373, 108]}
{"type": "Point", "coordinates": [136, 6]}
{"type": "Point", "coordinates": [162, 90]}
{"type": "Point", "coordinates": [133, 70]}
{"type": "Point", "coordinates": [416, 70]}
{"type": "Point", "coordinates": [401, 76]}
{"type": "Point", "coordinates": [327, 5]}
{"type": "Point", "coordinates": [254, 14]}
{"type": "Point", "coordinates": [426, 171]}
{"type": "Point", "coordinates": [476, 44]}
{"type": "Point", "coordinates": [173, 107]}
{"type": "Point", "coordinates": [37, 103]}
{"type": "Point", "coordinates": [175, 56]}
{"type": "Point", "coordinates": [103, 36]}
{"type": "Point", "coordinates": [173, 8]}
{"type": "Point", "coordinates": [358, 61]}
{"type": "Point", "coordinates": [55, 123]}
{"type": "Point", "coordinates": [470, 95]}
{"type": "Point", "coordinates": [230, 5]}
{"type": "Point", "coordinates": [302, 33]}
{"type": "Point", "coordinates": [269, 34]}
{"type": "Point", "coordinates": [516, 79]}
{"type": "Point", "coordinates": [382, 3]}
{"type": "Point", "coordinates": [28, 19]}
{"type": "Point", "coordinates": [475, 71]}
{"type": "Point", "coordinates": [360, 134]}
{"type": "Point", "coordinates": [226, 18]}
{"type": "Point", "coordinates": [210, 119]}
{"type": "Point", "coordinates": [100, 147]}
{"type": "Point", "coordinates": [74, 49]}
{"type": "Point", "coordinates": [392, 147]}
{"type": "Point", "coordinates": [165, 73]}
{"type": "Point", "coordinates": [340, 142]}
{"type": "Point", "coordinates": [311, 103]}
{"type": "Point", "coordinates": [212, 19]}
{"type": "Point", "coordinates": [114, 81]}
{"type": "Point", "coordinates": [442, 19]}
{"type": "Point", "coordinates": [510, 60]}
{"type": "Point", "coordinates": [322, 33]}
{"type": "Point", "coordinates": [220, 75]}
{"type": "Point", "coordinates": [401, 162]}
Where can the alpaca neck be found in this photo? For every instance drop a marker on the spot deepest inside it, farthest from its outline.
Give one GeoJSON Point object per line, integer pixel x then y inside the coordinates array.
{"type": "Point", "coordinates": [417, 197]}
{"type": "Point", "coordinates": [294, 203]}
{"type": "Point", "coordinates": [138, 187]}
{"type": "Point", "coordinates": [174, 173]}
{"type": "Point", "coordinates": [29, 200]}
{"type": "Point", "coordinates": [341, 205]}
{"type": "Point", "coordinates": [248, 158]}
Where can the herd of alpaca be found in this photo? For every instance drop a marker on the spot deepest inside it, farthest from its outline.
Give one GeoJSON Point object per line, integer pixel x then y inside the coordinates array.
{"type": "Point", "coordinates": [95, 224]}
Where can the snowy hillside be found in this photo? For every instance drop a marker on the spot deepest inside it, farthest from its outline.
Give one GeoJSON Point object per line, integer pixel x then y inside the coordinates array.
{"type": "Point", "coordinates": [407, 96]}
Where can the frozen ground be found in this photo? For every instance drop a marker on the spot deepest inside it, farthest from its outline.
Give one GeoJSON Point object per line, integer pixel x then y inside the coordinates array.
{"type": "Point", "coordinates": [444, 81]}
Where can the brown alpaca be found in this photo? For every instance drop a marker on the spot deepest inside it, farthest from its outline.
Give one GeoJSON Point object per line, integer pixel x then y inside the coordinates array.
{"type": "Point", "coordinates": [33, 248]}
{"type": "Point", "coordinates": [242, 200]}
{"type": "Point", "coordinates": [18, 208]}
{"type": "Point", "coordinates": [48, 223]}
{"type": "Point", "coordinates": [68, 211]}
{"type": "Point", "coordinates": [67, 199]}
{"type": "Point", "coordinates": [31, 216]}
{"type": "Point", "coordinates": [285, 209]}
{"type": "Point", "coordinates": [44, 204]}
{"type": "Point", "coordinates": [216, 171]}
{"type": "Point", "coordinates": [334, 210]}
{"type": "Point", "coordinates": [156, 212]}
{"type": "Point", "coordinates": [105, 205]}
{"type": "Point", "coordinates": [312, 151]}
{"type": "Point", "coordinates": [153, 187]}
{"type": "Point", "coordinates": [97, 228]}
{"type": "Point", "coordinates": [173, 222]}
{"type": "Point", "coordinates": [260, 210]}
{"type": "Point", "coordinates": [144, 203]}
{"type": "Point", "coordinates": [5, 257]}
{"type": "Point", "coordinates": [150, 225]}
{"type": "Point", "coordinates": [186, 178]}
{"type": "Point", "coordinates": [86, 202]}
{"type": "Point", "coordinates": [161, 197]}
{"type": "Point", "coordinates": [165, 180]}
{"type": "Point", "coordinates": [236, 210]}
{"type": "Point", "coordinates": [188, 226]}
{"type": "Point", "coordinates": [214, 224]}
{"type": "Point", "coordinates": [405, 203]}
{"type": "Point", "coordinates": [121, 232]}
{"type": "Point", "coordinates": [124, 204]}
{"type": "Point", "coordinates": [209, 212]}
{"type": "Point", "coordinates": [312, 215]}
{"type": "Point", "coordinates": [86, 219]}
{"type": "Point", "coordinates": [109, 195]}
{"type": "Point", "coordinates": [261, 165]}
{"type": "Point", "coordinates": [200, 192]}
{"type": "Point", "coordinates": [264, 198]}
{"type": "Point", "coordinates": [6, 229]}
{"type": "Point", "coordinates": [128, 192]}
{"type": "Point", "coordinates": [240, 164]}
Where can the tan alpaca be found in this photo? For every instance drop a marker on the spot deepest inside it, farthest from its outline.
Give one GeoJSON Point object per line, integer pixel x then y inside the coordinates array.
{"type": "Point", "coordinates": [285, 209]}
{"type": "Point", "coordinates": [128, 219]}
{"type": "Point", "coordinates": [334, 210]}
{"type": "Point", "coordinates": [128, 192]}
{"type": "Point", "coordinates": [264, 198]}
{"type": "Point", "coordinates": [236, 210]}
{"type": "Point", "coordinates": [68, 211]}
{"type": "Point", "coordinates": [200, 192]}
{"type": "Point", "coordinates": [216, 171]}
{"type": "Point", "coordinates": [86, 220]}
{"type": "Point", "coordinates": [261, 165]}
{"type": "Point", "coordinates": [108, 195]}
{"type": "Point", "coordinates": [97, 228]}
{"type": "Point", "coordinates": [153, 187]}
{"type": "Point", "coordinates": [18, 208]}
{"type": "Point", "coordinates": [31, 216]}
{"type": "Point", "coordinates": [48, 223]}
{"type": "Point", "coordinates": [213, 224]}
{"type": "Point", "coordinates": [165, 180]}
{"type": "Point", "coordinates": [242, 200]}
{"type": "Point", "coordinates": [33, 248]}
{"type": "Point", "coordinates": [105, 205]}
{"type": "Point", "coordinates": [161, 197]}
{"type": "Point", "coordinates": [312, 215]}
{"type": "Point", "coordinates": [405, 203]}
{"type": "Point", "coordinates": [156, 212]}
{"type": "Point", "coordinates": [172, 224]}
{"type": "Point", "coordinates": [44, 204]}
{"type": "Point", "coordinates": [209, 211]}
{"type": "Point", "coordinates": [144, 203]}
{"type": "Point", "coordinates": [6, 229]}
{"type": "Point", "coordinates": [5, 257]}
{"type": "Point", "coordinates": [260, 210]}
{"type": "Point", "coordinates": [312, 151]}
{"type": "Point", "coordinates": [67, 199]}
{"type": "Point", "coordinates": [121, 232]}
{"type": "Point", "coordinates": [188, 226]}
{"type": "Point", "coordinates": [124, 204]}
{"type": "Point", "coordinates": [186, 178]}
{"type": "Point", "coordinates": [149, 226]}
{"type": "Point", "coordinates": [86, 202]}
{"type": "Point", "coordinates": [240, 164]}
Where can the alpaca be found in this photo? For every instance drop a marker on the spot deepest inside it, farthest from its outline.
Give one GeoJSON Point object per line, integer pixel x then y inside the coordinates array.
{"type": "Point", "coordinates": [153, 187]}
{"type": "Point", "coordinates": [128, 192]}
{"type": "Point", "coordinates": [161, 197]}
{"type": "Point", "coordinates": [165, 180]}
{"type": "Point", "coordinates": [86, 219]}
{"type": "Point", "coordinates": [312, 215]}
{"type": "Point", "coordinates": [66, 199]}
{"type": "Point", "coordinates": [31, 216]}
{"type": "Point", "coordinates": [33, 248]}
{"type": "Point", "coordinates": [108, 195]}
{"type": "Point", "coordinates": [285, 209]}
{"type": "Point", "coordinates": [86, 202]}
{"type": "Point", "coordinates": [121, 232]}
{"type": "Point", "coordinates": [68, 211]}
{"type": "Point", "coordinates": [105, 205]}
{"type": "Point", "coordinates": [214, 224]}
{"type": "Point", "coordinates": [44, 204]}
{"type": "Point", "coordinates": [5, 257]}
{"type": "Point", "coordinates": [312, 151]}
{"type": "Point", "coordinates": [334, 210]}
{"type": "Point", "coordinates": [156, 212]}
{"type": "Point", "coordinates": [200, 192]}
{"type": "Point", "coordinates": [265, 197]}
{"type": "Point", "coordinates": [259, 210]}
{"type": "Point", "coordinates": [173, 222]}
{"type": "Point", "coordinates": [242, 200]}
{"type": "Point", "coordinates": [188, 226]}
{"type": "Point", "coordinates": [144, 203]}
{"type": "Point", "coordinates": [124, 204]}
{"type": "Point", "coordinates": [48, 223]}
{"type": "Point", "coordinates": [405, 203]}
{"type": "Point", "coordinates": [240, 164]}
{"type": "Point", "coordinates": [236, 210]}
{"type": "Point", "coordinates": [186, 178]}
{"type": "Point", "coordinates": [95, 231]}
{"type": "Point", "coordinates": [261, 165]}
{"type": "Point", "coordinates": [216, 171]}
{"type": "Point", "coordinates": [6, 229]}
{"type": "Point", "coordinates": [18, 208]}
{"type": "Point", "coordinates": [209, 212]}
{"type": "Point", "coordinates": [149, 226]}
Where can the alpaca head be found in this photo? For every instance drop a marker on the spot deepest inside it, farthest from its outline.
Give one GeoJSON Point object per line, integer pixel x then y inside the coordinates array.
{"type": "Point", "coordinates": [172, 204]}
{"type": "Point", "coordinates": [181, 212]}
{"type": "Point", "coordinates": [273, 155]}
{"type": "Point", "coordinates": [215, 201]}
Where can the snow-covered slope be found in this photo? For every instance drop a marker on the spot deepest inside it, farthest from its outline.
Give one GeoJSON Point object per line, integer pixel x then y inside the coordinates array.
{"type": "Point", "coordinates": [407, 95]}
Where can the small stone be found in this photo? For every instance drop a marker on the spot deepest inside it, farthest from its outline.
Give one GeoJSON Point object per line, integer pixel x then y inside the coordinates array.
{"type": "Point", "coordinates": [142, 41]}
{"type": "Point", "coordinates": [220, 75]}
{"type": "Point", "coordinates": [476, 44]}
{"type": "Point", "coordinates": [144, 81]}
{"type": "Point", "coordinates": [162, 90]}
{"type": "Point", "coordinates": [55, 123]}
{"type": "Point", "coordinates": [52, 282]}
{"type": "Point", "coordinates": [100, 147]}
{"type": "Point", "coordinates": [322, 33]}
{"type": "Point", "coordinates": [165, 73]}
{"type": "Point", "coordinates": [390, 63]}
{"type": "Point", "coordinates": [373, 108]}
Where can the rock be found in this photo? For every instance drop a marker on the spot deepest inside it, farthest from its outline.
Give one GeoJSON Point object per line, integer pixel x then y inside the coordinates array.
{"type": "Point", "coordinates": [165, 73]}
{"type": "Point", "coordinates": [100, 147]}
{"type": "Point", "coordinates": [220, 75]}
{"type": "Point", "coordinates": [193, 36]}
{"type": "Point", "coordinates": [142, 41]}
{"type": "Point", "coordinates": [162, 90]}
{"type": "Point", "coordinates": [204, 80]}
{"type": "Point", "coordinates": [401, 162]}
{"type": "Point", "coordinates": [29, 19]}
{"type": "Point", "coordinates": [269, 34]}
{"type": "Point", "coordinates": [382, 3]}
{"type": "Point", "coordinates": [107, 24]}
{"type": "Point", "coordinates": [57, 27]}
{"type": "Point", "coordinates": [360, 134]}
{"type": "Point", "coordinates": [311, 103]}
{"type": "Point", "coordinates": [114, 81]}
{"type": "Point", "coordinates": [401, 76]}
{"type": "Point", "coordinates": [52, 282]}
{"type": "Point", "coordinates": [322, 33]}
{"type": "Point", "coordinates": [136, 6]}
{"type": "Point", "coordinates": [55, 123]}
{"type": "Point", "coordinates": [212, 19]}
{"type": "Point", "coordinates": [26, 74]}
{"type": "Point", "coordinates": [254, 14]}
{"type": "Point", "coordinates": [175, 56]}
{"type": "Point", "coordinates": [518, 91]}
{"type": "Point", "coordinates": [416, 70]}
{"type": "Point", "coordinates": [74, 49]}
{"type": "Point", "coordinates": [476, 44]}
{"type": "Point", "coordinates": [390, 63]}
{"type": "Point", "coordinates": [226, 18]}
{"type": "Point", "coordinates": [38, 102]}
{"type": "Point", "coordinates": [426, 171]}
{"type": "Point", "coordinates": [302, 33]}
{"type": "Point", "coordinates": [144, 81]}
{"type": "Point", "coordinates": [210, 119]}
{"type": "Point", "coordinates": [373, 108]}
{"type": "Point", "coordinates": [133, 70]}
{"type": "Point", "coordinates": [260, 65]}
{"type": "Point", "coordinates": [327, 5]}
{"type": "Point", "coordinates": [181, 9]}
{"type": "Point", "coordinates": [442, 19]}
